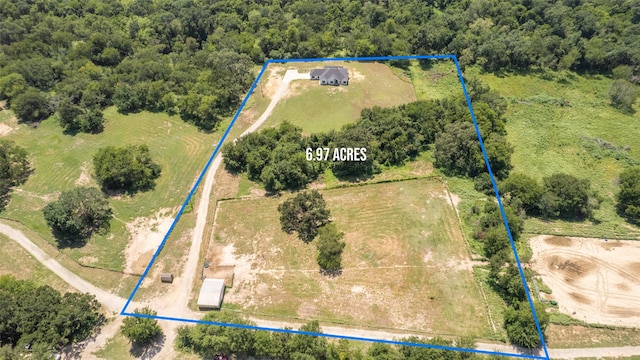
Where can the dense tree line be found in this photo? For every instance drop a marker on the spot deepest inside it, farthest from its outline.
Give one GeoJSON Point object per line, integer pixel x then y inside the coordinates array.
{"type": "Point", "coordinates": [195, 56]}
{"type": "Point", "coordinates": [273, 156]}
{"type": "Point", "coordinates": [14, 169]}
{"type": "Point", "coordinates": [504, 275]}
{"type": "Point", "coordinates": [392, 136]}
{"type": "Point", "coordinates": [41, 317]}
{"type": "Point", "coordinates": [559, 196]}
{"type": "Point", "coordinates": [208, 341]}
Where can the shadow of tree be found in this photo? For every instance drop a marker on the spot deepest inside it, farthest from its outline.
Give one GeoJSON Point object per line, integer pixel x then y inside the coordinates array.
{"type": "Point", "coordinates": [146, 352]}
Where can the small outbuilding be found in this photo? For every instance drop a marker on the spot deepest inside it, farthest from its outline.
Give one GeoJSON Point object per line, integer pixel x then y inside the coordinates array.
{"type": "Point", "coordinates": [166, 278]}
{"type": "Point", "coordinates": [211, 294]}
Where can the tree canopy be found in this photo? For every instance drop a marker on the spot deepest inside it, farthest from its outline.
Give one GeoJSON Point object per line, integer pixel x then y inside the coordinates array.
{"type": "Point", "coordinates": [629, 196]}
{"type": "Point", "coordinates": [31, 106]}
{"type": "Point", "coordinates": [14, 169]}
{"type": "Point", "coordinates": [141, 330]}
{"type": "Point", "coordinates": [521, 327]}
{"type": "Point", "coordinates": [77, 214]}
{"type": "Point", "coordinates": [208, 341]}
{"type": "Point", "coordinates": [305, 214]}
{"type": "Point", "coordinates": [330, 249]}
{"type": "Point", "coordinates": [40, 315]}
{"type": "Point", "coordinates": [129, 169]}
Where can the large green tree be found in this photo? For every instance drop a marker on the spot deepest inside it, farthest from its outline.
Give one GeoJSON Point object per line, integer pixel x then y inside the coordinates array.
{"type": "Point", "coordinates": [629, 196]}
{"type": "Point", "coordinates": [31, 106]}
{"type": "Point", "coordinates": [14, 168]}
{"type": "Point", "coordinates": [141, 330]}
{"type": "Point", "coordinates": [521, 327]}
{"type": "Point", "coordinates": [457, 150]}
{"type": "Point", "coordinates": [330, 247]}
{"type": "Point", "coordinates": [567, 196]}
{"type": "Point", "coordinates": [305, 214]}
{"type": "Point", "coordinates": [623, 94]}
{"type": "Point", "coordinates": [69, 318]}
{"type": "Point", "coordinates": [208, 341]}
{"type": "Point", "coordinates": [77, 214]}
{"type": "Point", "coordinates": [522, 191]}
{"type": "Point", "coordinates": [129, 169]}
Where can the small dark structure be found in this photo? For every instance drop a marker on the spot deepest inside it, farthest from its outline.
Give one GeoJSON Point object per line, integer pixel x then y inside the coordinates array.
{"type": "Point", "coordinates": [166, 278]}
{"type": "Point", "coordinates": [330, 75]}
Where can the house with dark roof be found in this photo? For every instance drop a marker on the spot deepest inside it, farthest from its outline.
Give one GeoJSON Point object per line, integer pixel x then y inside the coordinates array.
{"type": "Point", "coordinates": [331, 75]}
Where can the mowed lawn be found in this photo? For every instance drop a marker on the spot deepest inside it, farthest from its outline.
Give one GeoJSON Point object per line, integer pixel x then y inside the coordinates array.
{"type": "Point", "coordinates": [316, 108]}
{"type": "Point", "coordinates": [554, 126]}
{"type": "Point", "coordinates": [404, 266]}
{"type": "Point", "coordinates": [63, 162]}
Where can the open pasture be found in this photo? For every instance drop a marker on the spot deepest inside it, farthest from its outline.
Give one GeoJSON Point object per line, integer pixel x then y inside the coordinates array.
{"type": "Point", "coordinates": [405, 265]}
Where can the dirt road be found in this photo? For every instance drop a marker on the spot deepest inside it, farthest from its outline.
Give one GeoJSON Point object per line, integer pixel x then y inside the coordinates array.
{"type": "Point", "coordinates": [111, 301]}
{"type": "Point", "coordinates": [180, 295]}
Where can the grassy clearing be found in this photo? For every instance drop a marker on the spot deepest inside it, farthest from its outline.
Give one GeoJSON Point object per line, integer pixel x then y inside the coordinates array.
{"type": "Point", "coordinates": [404, 264]}
{"type": "Point", "coordinates": [438, 80]}
{"type": "Point", "coordinates": [29, 268]}
{"type": "Point", "coordinates": [317, 108]}
{"type": "Point", "coordinates": [117, 348]}
{"type": "Point", "coordinates": [114, 281]}
{"type": "Point", "coordinates": [577, 336]}
{"type": "Point", "coordinates": [553, 126]}
{"type": "Point", "coordinates": [62, 162]}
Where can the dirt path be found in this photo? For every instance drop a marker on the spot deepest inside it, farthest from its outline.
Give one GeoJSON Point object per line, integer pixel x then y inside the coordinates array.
{"type": "Point", "coordinates": [181, 293]}
{"type": "Point", "coordinates": [111, 301]}
{"type": "Point", "coordinates": [279, 94]}
{"type": "Point", "coordinates": [597, 353]}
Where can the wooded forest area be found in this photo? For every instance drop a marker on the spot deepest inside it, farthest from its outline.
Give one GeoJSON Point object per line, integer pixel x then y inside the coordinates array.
{"type": "Point", "coordinates": [196, 57]}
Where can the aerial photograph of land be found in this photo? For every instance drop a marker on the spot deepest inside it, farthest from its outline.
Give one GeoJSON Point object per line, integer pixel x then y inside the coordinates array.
{"type": "Point", "coordinates": [319, 179]}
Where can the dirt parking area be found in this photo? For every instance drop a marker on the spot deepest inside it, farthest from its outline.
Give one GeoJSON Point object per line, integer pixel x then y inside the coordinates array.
{"type": "Point", "coordinates": [593, 280]}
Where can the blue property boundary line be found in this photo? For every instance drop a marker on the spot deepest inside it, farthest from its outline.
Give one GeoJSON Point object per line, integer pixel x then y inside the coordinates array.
{"type": "Point", "coordinates": [217, 149]}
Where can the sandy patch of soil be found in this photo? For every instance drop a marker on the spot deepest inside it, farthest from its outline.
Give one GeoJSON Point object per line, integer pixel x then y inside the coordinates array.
{"type": "Point", "coordinates": [355, 75]}
{"type": "Point", "coordinates": [593, 280]}
{"type": "Point", "coordinates": [5, 129]}
{"type": "Point", "coordinates": [273, 81]}
{"type": "Point", "coordinates": [85, 177]}
{"type": "Point", "coordinates": [146, 235]}
{"type": "Point", "coordinates": [88, 260]}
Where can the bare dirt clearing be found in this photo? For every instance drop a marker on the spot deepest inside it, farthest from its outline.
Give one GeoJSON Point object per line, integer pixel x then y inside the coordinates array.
{"type": "Point", "coordinates": [146, 235]}
{"type": "Point", "coordinates": [593, 280]}
{"type": "Point", "coordinates": [85, 177]}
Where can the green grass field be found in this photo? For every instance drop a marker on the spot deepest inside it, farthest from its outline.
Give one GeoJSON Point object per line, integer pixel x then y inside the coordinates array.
{"type": "Point", "coordinates": [554, 125]}
{"type": "Point", "coordinates": [405, 265]}
{"type": "Point", "coordinates": [28, 268]}
{"type": "Point", "coordinates": [439, 80]}
{"type": "Point", "coordinates": [317, 108]}
{"type": "Point", "coordinates": [62, 162]}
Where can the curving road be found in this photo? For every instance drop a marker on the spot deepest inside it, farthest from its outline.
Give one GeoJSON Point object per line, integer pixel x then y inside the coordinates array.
{"type": "Point", "coordinates": [111, 301]}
